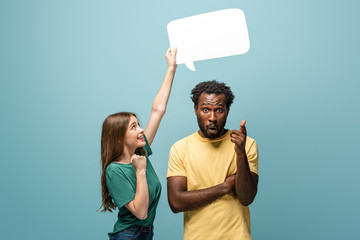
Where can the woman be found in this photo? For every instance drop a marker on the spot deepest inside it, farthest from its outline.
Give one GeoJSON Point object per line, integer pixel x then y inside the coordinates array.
{"type": "Point", "coordinates": [128, 179]}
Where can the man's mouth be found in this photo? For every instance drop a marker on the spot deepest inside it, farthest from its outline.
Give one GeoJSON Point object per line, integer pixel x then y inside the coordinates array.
{"type": "Point", "coordinates": [212, 128]}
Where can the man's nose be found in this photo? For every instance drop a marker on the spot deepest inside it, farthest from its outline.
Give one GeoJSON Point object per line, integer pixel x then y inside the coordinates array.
{"type": "Point", "coordinates": [212, 117]}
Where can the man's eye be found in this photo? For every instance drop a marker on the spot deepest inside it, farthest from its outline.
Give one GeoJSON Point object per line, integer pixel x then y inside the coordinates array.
{"type": "Point", "coordinates": [205, 110]}
{"type": "Point", "coordinates": [219, 110]}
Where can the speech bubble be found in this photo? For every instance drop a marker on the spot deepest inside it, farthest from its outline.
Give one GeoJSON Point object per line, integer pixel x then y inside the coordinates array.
{"type": "Point", "coordinates": [210, 35]}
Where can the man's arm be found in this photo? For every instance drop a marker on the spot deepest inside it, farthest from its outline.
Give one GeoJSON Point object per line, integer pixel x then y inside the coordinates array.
{"type": "Point", "coordinates": [246, 181]}
{"type": "Point", "coordinates": [181, 200]}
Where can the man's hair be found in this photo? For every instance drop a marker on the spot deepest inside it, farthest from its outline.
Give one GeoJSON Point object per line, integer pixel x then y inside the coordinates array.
{"type": "Point", "coordinates": [210, 87]}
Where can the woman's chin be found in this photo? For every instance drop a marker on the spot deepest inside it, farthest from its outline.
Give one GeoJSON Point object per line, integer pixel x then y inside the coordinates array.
{"type": "Point", "coordinates": [142, 143]}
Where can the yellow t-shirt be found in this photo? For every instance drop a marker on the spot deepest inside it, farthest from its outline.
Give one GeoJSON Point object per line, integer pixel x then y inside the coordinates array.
{"type": "Point", "coordinates": [207, 163]}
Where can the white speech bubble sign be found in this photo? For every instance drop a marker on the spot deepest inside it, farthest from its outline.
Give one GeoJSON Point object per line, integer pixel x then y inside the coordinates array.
{"type": "Point", "coordinates": [210, 35]}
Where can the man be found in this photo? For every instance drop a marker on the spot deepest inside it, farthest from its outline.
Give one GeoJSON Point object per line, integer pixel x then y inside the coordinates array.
{"type": "Point", "coordinates": [213, 173]}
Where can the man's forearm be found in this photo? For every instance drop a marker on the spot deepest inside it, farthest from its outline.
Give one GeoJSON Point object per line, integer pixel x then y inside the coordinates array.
{"type": "Point", "coordinates": [246, 181]}
{"type": "Point", "coordinates": [181, 201]}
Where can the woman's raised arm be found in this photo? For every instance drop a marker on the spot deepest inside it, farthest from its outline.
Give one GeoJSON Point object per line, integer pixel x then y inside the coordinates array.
{"type": "Point", "coordinates": [162, 97]}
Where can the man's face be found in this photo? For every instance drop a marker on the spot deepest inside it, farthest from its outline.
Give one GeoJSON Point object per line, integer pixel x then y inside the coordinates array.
{"type": "Point", "coordinates": [211, 115]}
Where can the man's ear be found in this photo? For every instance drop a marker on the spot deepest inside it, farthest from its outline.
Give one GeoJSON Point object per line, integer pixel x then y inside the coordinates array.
{"type": "Point", "coordinates": [196, 110]}
{"type": "Point", "coordinates": [227, 111]}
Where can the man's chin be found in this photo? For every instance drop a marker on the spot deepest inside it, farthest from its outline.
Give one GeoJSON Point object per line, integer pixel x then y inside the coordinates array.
{"type": "Point", "coordinates": [206, 132]}
{"type": "Point", "coordinates": [213, 135]}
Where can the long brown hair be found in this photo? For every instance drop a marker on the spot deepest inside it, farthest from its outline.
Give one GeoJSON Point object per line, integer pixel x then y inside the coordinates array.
{"type": "Point", "coordinates": [112, 146]}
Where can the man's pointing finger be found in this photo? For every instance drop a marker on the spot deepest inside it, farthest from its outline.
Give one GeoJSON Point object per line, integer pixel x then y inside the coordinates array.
{"type": "Point", "coordinates": [242, 126]}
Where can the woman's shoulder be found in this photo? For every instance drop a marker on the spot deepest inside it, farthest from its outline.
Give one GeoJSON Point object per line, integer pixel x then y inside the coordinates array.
{"type": "Point", "coordinates": [115, 168]}
{"type": "Point", "coordinates": [112, 167]}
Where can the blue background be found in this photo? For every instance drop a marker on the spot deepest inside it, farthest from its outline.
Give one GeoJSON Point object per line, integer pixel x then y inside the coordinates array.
{"type": "Point", "coordinates": [66, 65]}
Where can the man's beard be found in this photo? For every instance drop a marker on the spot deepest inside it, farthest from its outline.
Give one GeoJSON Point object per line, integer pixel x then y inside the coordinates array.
{"type": "Point", "coordinates": [203, 129]}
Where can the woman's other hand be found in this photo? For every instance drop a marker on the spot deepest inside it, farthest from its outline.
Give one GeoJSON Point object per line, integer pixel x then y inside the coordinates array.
{"type": "Point", "coordinates": [171, 57]}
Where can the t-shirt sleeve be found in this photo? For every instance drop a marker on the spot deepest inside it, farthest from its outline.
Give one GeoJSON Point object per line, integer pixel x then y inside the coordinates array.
{"type": "Point", "coordinates": [253, 156]}
{"type": "Point", "coordinates": [120, 188]}
{"type": "Point", "coordinates": [147, 147]}
{"type": "Point", "coordinates": [176, 165]}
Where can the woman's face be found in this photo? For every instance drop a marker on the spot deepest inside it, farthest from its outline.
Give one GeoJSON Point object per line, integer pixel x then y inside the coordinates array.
{"type": "Point", "coordinates": [134, 137]}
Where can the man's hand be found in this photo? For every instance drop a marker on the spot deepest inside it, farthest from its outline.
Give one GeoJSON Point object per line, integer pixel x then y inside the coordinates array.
{"type": "Point", "coordinates": [239, 138]}
{"type": "Point", "coordinates": [230, 184]}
